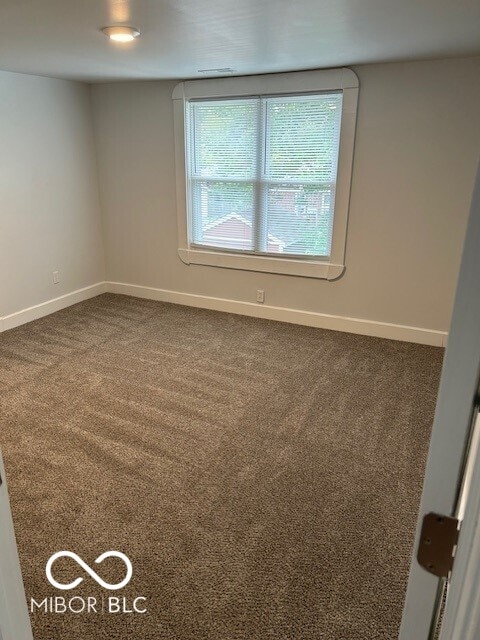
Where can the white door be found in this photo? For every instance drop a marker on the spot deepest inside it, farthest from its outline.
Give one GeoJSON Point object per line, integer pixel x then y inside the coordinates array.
{"type": "Point", "coordinates": [14, 620]}
{"type": "Point", "coordinates": [449, 448]}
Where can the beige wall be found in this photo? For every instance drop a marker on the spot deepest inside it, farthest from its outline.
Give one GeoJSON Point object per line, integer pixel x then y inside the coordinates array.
{"type": "Point", "coordinates": [49, 208]}
{"type": "Point", "coordinates": [418, 138]}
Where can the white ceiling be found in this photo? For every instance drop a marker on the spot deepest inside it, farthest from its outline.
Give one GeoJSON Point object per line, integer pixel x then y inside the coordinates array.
{"type": "Point", "coordinates": [62, 38]}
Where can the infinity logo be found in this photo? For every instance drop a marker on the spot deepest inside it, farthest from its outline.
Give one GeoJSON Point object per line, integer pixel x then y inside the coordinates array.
{"type": "Point", "coordinates": [87, 569]}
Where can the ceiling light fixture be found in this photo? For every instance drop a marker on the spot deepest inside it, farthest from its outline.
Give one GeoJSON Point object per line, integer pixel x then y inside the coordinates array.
{"type": "Point", "coordinates": [121, 34]}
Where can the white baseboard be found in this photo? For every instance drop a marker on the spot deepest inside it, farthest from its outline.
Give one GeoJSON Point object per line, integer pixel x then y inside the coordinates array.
{"type": "Point", "coordinates": [50, 306]}
{"type": "Point", "coordinates": [310, 318]}
{"type": "Point", "coordinates": [283, 314]}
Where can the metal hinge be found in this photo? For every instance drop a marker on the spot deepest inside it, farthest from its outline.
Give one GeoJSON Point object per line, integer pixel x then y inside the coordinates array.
{"type": "Point", "coordinates": [438, 543]}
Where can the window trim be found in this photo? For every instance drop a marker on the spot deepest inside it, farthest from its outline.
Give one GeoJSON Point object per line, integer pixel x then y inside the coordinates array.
{"type": "Point", "coordinates": [274, 84]}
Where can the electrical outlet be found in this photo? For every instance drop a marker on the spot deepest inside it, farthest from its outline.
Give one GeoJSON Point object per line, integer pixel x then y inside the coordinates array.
{"type": "Point", "coordinates": [56, 277]}
{"type": "Point", "coordinates": [260, 295]}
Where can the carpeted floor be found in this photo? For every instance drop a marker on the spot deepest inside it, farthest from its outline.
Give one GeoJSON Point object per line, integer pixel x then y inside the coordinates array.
{"type": "Point", "coordinates": [263, 478]}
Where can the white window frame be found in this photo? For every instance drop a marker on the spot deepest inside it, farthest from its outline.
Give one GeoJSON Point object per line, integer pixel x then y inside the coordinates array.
{"type": "Point", "coordinates": [274, 84]}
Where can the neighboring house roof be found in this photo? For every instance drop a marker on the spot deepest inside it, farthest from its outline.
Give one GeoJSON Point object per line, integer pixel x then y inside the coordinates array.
{"type": "Point", "coordinates": [225, 221]}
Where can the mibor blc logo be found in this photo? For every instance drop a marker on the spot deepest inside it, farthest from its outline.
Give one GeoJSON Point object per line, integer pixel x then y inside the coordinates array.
{"type": "Point", "coordinates": [90, 604]}
{"type": "Point", "coordinates": [87, 569]}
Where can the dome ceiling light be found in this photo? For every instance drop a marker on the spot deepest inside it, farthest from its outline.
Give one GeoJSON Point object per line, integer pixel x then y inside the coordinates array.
{"type": "Point", "coordinates": [121, 34]}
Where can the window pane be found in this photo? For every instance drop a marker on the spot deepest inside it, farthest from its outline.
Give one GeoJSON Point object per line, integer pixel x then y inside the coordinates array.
{"type": "Point", "coordinates": [224, 134]}
{"type": "Point", "coordinates": [285, 204]}
{"type": "Point", "coordinates": [299, 219]}
{"type": "Point", "coordinates": [302, 142]}
{"type": "Point", "coordinates": [302, 137]}
{"type": "Point", "coordinates": [223, 214]}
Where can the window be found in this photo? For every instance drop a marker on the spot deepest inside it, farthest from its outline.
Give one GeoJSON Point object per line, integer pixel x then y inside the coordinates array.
{"type": "Point", "coordinates": [263, 177]}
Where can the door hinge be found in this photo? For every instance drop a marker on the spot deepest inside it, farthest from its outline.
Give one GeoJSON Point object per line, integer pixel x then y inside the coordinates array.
{"type": "Point", "coordinates": [438, 543]}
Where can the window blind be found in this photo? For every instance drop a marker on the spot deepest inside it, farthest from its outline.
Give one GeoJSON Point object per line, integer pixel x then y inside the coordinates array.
{"type": "Point", "coordinates": [262, 173]}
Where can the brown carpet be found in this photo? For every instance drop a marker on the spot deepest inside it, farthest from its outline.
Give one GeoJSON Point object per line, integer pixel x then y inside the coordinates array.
{"type": "Point", "coordinates": [263, 478]}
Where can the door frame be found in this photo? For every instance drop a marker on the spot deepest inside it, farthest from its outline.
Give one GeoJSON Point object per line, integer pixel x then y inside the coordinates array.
{"type": "Point", "coordinates": [461, 620]}
{"type": "Point", "coordinates": [14, 618]}
{"type": "Point", "coordinates": [449, 445]}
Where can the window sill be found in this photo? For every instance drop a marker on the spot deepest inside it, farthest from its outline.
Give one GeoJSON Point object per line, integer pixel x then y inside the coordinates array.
{"type": "Point", "coordinates": [266, 264]}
